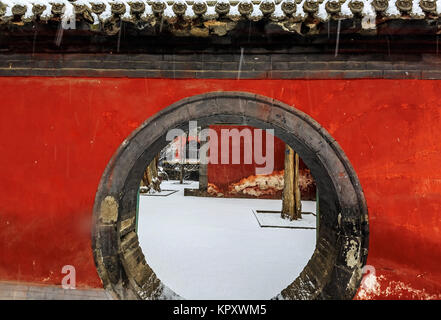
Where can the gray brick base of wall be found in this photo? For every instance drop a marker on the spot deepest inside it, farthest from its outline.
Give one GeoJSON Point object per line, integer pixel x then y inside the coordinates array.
{"type": "Point", "coordinates": [25, 291]}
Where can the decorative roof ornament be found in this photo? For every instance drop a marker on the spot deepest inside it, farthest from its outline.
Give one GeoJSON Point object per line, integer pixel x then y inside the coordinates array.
{"type": "Point", "coordinates": [173, 11]}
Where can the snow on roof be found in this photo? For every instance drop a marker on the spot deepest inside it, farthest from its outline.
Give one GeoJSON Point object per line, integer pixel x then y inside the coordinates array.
{"type": "Point", "coordinates": [255, 10]}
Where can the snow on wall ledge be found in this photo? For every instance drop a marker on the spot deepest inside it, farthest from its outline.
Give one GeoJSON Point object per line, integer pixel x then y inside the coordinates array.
{"type": "Point", "coordinates": [294, 11]}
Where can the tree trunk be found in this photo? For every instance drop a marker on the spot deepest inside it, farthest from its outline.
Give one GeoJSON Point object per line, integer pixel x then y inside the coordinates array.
{"type": "Point", "coordinates": [181, 171]}
{"type": "Point", "coordinates": [297, 194]}
{"type": "Point", "coordinates": [288, 186]}
{"type": "Point", "coordinates": [291, 202]}
{"type": "Point", "coordinates": [150, 178]}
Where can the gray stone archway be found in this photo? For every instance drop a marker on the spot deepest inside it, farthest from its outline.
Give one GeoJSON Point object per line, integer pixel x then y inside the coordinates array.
{"type": "Point", "coordinates": [333, 272]}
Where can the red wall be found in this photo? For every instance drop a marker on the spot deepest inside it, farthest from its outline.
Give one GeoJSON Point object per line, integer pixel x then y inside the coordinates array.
{"type": "Point", "coordinates": [59, 133]}
{"type": "Point", "coordinates": [223, 175]}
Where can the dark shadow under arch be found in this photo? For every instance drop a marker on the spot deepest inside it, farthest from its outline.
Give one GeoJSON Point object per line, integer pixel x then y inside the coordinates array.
{"type": "Point", "coordinates": [335, 269]}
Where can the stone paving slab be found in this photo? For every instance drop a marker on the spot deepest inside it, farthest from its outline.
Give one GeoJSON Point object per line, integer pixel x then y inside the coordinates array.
{"type": "Point", "coordinates": [24, 291]}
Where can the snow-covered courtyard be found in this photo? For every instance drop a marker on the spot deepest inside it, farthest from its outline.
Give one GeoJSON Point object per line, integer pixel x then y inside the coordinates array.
{"type": "Point", "coordinates": [214, 248]}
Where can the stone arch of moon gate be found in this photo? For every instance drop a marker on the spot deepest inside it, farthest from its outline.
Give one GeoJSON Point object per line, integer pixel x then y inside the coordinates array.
{"type": "Point", "coordinates": [335, 268]}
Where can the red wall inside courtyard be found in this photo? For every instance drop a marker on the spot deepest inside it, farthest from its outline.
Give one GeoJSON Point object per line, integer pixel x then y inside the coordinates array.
{"type": "Point", "coordinates": [222, 175]}
{"type": "Point", "coordinates": [58, 134]}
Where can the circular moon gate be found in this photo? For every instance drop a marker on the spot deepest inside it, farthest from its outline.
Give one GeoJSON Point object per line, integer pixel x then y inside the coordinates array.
{"type": "Point", "coordinates": [334, 270]}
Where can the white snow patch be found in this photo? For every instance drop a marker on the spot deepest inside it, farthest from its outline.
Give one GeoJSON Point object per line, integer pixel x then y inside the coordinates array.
{"type": "Point", "coordinates": [168, 12]}
{"type": "Point", "coordinates": [213, 248]}
{"type": "Point", "coordinates": [278, 12]}
{"type": "Point", "coordinates": [189, 13]}
{"type": "Point", "coordinates": [438, 6]}
{"type": "Point", "coordinates": [211, 13]}
{"type": "Point", "coordinates": [234, 12]}
{"type": "Point", "coordinates": [416, 9]}
{"type": "Point", "coordinates": [345, 10]}
{"type": "Point", "coordinates": [256, 14]}
{"type": "Point", "coordinates": [300, 13]}
{"type": "Point", "coordinates": [369, 286]}
{"type": "Point", "coordinates": [392, 9]}
{"type": "Point", "coordinates": [322, 14]}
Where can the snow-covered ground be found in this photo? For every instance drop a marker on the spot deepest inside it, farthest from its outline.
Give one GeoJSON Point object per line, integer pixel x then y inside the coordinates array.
{"type": "Point", "coordinates": [214, 248]}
